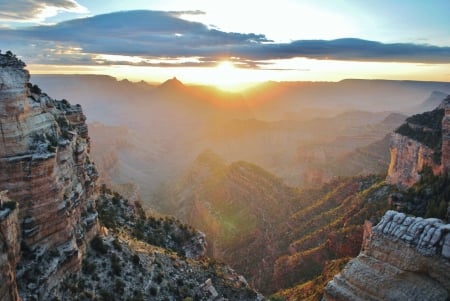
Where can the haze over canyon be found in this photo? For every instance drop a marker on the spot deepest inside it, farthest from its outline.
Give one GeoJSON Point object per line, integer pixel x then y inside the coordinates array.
{"type": "Point", "coordinates": [166, 150]}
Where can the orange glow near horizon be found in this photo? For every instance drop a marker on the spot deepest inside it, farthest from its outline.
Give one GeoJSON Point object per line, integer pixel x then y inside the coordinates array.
{"type": "Point", "coordinates": [227, 75]}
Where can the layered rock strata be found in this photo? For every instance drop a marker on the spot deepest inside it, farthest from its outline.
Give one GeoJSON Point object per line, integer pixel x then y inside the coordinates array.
{"type": "Point", "coordinates": [9, 248]}
{"type": "Point", "coordinates": [446, 135]}
{"type": "Point", "coordinates": [408, 158]}
{"type": "Point", "coordinates": [45, 166]}
{"type": "Point", "coordinates": [405, 258]}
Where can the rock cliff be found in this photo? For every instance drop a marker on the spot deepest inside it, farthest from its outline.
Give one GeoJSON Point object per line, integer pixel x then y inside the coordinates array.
{"type": "Point", "coordinates": [424, 140]}
{"type": "Point", "coordinates": [9, 248]}
{"type": "Point", "coordinates": [446, 135]}
{"type": "Point", "coordinates": [408, 158]}
{"type": "Point", "coordinates": [405, 258]}
{"type": "Point", "coordinates": [45, 167]}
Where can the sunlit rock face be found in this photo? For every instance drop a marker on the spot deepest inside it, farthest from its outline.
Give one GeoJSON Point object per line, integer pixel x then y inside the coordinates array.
{"type": "Point", "coordinates": [45, 167]}
{"type": "Point", "coordinates": [408, 158]}
{"type": "Point", "coordinates": [446, 135]}
{"type": "Point", "coordinates": [13, 90]}
{"type": "Point", "coordinates": [405, 258]}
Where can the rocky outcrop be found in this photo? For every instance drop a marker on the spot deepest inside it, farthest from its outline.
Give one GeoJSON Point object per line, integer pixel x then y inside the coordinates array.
{"type": "Point", "coordinates": [408, 158]}
{"type": "Point", "coordinates": [424, 140]}
{"type": "Point", "coordinates": [147, 257]}
{"type": "Point", "coordinates": [420, 157]}
{"type": "Point", "coordinates": [45, 166]}
{"type": "Point", "coordinates": [9, 248]}
{"type": "Point", "coordinates": [446, 135]}
{"type": "Point", "coordinates": [406, 258]}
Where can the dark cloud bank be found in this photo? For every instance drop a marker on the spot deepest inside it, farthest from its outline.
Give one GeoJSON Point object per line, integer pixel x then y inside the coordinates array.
{"type": "Point", "coordinates": [164, 34]}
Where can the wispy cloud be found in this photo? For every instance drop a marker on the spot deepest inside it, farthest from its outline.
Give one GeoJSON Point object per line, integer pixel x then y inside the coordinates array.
{"type": "Point", "coordinates": [155, 34]}
{"type": "Point", "coordinates": [36, 10]}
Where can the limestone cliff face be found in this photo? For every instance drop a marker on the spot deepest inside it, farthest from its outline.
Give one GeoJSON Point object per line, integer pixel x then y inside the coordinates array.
{"type": "Point", "coordinates": [408, 158]}
{"type": "Point", "coordinates": [45, 166]}
{"type": "Point", "coordinates": [405, 258]}
{"type": "Point", "coordinates": [446, 135]}
{"type": "Point", "coordinates": [9, 248]}
{"type": "Point", "coordinates": [424, 140]}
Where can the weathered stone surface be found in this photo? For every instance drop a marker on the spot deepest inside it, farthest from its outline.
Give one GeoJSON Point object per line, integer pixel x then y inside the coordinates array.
{"type": "Point", "coordinates": [45, 166]}
{"type": "Point", "coordinates": [446, 246]}
{"type": "Point", "coordinates": [446, 135]}
{"type": "Point", "coordinates": [408, 158]}
{"type": "Point", "coordinates": [9, 250]}
{"type": "Point", "coordinates": [13, 89]}
{"type": "Point", "coordinates": [406, 258]}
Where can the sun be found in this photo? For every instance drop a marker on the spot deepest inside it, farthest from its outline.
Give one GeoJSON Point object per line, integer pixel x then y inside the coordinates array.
{"type": "Point", "coordinates": [227, 76]}
{"type": "Point", "coordinates": [226, 66]}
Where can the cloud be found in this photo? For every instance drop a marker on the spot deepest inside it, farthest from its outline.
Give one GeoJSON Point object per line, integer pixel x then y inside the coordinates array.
{"type": "Point", "coordinates": [27, 10]}
{"type": "Point", "coordinates": [157, 34]}
{"type": "Point", "coordinates": [133, 33]}
{"type": "Point", "coordinates": [349, 49]}
{"type": "Point", "coordinates": [187, 12]}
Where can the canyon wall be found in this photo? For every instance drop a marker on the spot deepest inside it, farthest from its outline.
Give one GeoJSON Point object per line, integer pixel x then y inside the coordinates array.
{"type": "Point", "coordinates": [408, 158]}
{"type": "Point", "coordinates": [9, 248]}
{"type": "Point", "coordinates": [46, 169]}
{"type": "Point", "coordinates": [426, 143]}
{"type": "Point", "coordinates": [446, 136]}
{"type": "Point", "coordinates": [405, 258]}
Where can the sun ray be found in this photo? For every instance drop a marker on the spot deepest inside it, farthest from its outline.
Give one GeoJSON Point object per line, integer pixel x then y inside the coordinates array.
{"type": "Point", "coordinates": [227, 76]}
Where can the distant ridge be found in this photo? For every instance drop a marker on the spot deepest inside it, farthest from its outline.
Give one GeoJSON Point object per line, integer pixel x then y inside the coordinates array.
{"type": "Point", "coordinates": [172, 84]}
{"type": "Point", "coordinates": [434, 100]}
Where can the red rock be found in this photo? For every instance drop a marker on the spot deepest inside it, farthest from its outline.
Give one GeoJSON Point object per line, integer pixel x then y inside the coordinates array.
{"type": "Point", "coordinates": [45, 166]}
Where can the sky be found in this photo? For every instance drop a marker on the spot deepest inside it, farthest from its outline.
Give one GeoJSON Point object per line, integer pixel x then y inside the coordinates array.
{"type": "Point", "coordinates": [231, 43]}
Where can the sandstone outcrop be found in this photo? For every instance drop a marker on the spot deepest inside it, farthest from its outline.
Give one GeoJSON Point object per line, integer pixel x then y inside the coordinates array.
{"type": "Point", "coordinates": [424, 140]}
{"type": "Point", "coordinates": [405, 258]}
{"type": "Point", "coordinates": [9, 248]}
{"type": "Point", "coordinates": [408, 158]}
{"type": "Point", "coordinates": [446, 135]}
{"type": "Point", "coordinates": [45, 166]}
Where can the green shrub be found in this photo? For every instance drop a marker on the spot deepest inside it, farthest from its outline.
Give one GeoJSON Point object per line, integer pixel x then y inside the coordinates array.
{"type": "Point", "coordinates": [11, 205]}
{"type": "Point", "coordinates": [425, 128]}
{"type": "Point", "coordinates": [115, 264]}
{"type": "Point", "coordinates": [119, 286]}
{"type": "Point", "coordinates": [106, 295]}
{"type": "Point", "coordinates": [34, 88]}
{"type": "Point", "coordinates": [135, 259]}
{"type": "Point", "coordinates": [429, 197]}
{"type": "Point", "coordinates": [98, 245]}
{"type": "Point", "coordinates": [153, 291]}
{"type": "Point", "coordinates": [116, 245]}
{"type": "Point", "coordinates": [88, 267]}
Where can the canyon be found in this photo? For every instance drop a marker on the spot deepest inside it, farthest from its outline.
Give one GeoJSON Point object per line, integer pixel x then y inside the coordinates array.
{"type": "Point", "coordinates": [405, 257]}
{"type": "Point", "coordinates": [303, 132]}
{"type": "Point", "coordinates": [57, 225]}
{"type": "Point", "coordinates": [65, 236]}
